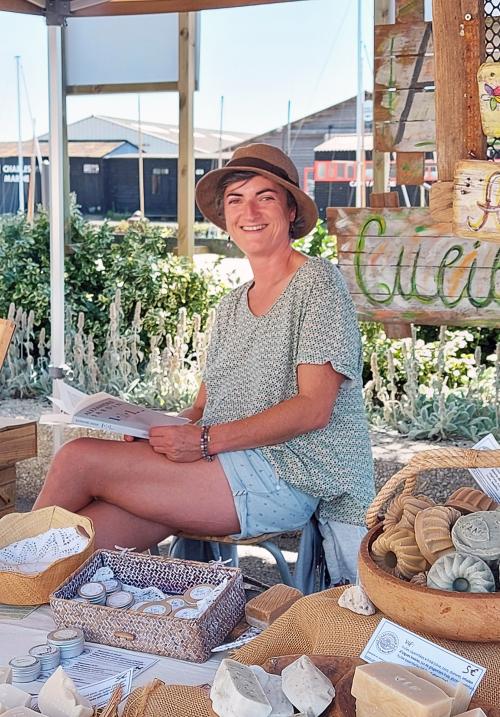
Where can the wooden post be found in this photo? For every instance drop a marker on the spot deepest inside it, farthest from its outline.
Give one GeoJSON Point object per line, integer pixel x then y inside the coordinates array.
{"type": "Point", "coordinates": [381, 160]}
{"type": "Point", "coordinates": [7, 329]}
{"type": "Point", "coordinates": [185, 169]}
{"type": "Point", "coordinates": [458, 129]}
{"type": "Point", "coordinates": [474, 55]}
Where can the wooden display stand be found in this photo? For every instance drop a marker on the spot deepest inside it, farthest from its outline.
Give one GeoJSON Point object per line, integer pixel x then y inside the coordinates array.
{"type": "Point", "coordinates": [17, 442]}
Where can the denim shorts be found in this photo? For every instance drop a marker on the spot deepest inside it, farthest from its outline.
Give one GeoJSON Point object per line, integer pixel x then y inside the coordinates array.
{"type": "Point", "coordinates": [264, 503]}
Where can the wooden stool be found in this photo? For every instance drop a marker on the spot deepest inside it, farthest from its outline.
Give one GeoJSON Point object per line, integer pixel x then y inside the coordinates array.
{"type": "Point", "coordinates": [263, 541]}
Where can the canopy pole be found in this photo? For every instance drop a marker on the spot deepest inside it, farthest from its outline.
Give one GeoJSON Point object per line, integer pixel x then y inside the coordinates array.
{"type": "Point", "coordinates": [56, 184]}
{"type": "Point", "coordinates": [185, 167]}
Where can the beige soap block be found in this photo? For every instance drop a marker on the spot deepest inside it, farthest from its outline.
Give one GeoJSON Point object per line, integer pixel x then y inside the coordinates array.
{"type": "Point", "coordinates": [457, 691]}
{"type": "Point", "coordinates": [60, 698]}
{"type": "Point", "coordinates": [477, 712]}
{"type": "Point", "coordinates": [307, 687]}
{"type": "Point", "coordinates": [392, 691]}
{"type": "Point", "coordinates": [262, 610]}
{"type": "Point", "coordinates": [236, 691]}
{"type": "Point", "coordinates": [11, 696]}
{"type": "Point", "coordinates": [5, 675]}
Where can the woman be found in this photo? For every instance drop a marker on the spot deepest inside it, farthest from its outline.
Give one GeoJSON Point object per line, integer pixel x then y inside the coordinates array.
{"type": "Point", "coordinates": [278, 427]}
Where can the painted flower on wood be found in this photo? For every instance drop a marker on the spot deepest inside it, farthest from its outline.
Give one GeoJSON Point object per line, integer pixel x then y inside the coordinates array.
{"type": "Point", "coordinates": [492, 96]}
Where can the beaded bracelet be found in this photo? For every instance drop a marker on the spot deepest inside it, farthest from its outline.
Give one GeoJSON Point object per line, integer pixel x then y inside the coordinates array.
{"type": "Point", "coordinates": [204, 442]}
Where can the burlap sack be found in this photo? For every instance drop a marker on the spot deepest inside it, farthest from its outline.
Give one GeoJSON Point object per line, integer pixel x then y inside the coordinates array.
{"type": "Point", "coordinates": [313, 625]}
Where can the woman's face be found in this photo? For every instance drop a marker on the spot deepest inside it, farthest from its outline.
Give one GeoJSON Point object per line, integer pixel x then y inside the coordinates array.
{"type": "Point", "coordinates": [257, 215]}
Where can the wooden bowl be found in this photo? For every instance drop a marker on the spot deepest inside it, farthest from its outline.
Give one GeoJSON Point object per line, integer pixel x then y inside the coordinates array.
{"type": "Point", "coordinates": [471, 617]}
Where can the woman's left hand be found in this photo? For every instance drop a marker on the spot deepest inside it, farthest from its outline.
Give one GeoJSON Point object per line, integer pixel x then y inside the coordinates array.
{"type": "Point", "coordinates": [180, 444]}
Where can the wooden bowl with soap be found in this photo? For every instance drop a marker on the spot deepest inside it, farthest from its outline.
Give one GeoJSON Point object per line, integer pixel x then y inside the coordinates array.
{"type": "Point", "coordinates": [472, 617]}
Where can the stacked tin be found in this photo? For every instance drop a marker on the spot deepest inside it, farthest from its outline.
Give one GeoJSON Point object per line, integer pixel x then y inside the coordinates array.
{"type": "Point", "coordinates": [49, 656]}
{"type": "Point", "coordinates": [93, 592]}
{"type": "Point", "coordinates": [25, 669]}
{"type": "Point", "coordinates": [69, 640]}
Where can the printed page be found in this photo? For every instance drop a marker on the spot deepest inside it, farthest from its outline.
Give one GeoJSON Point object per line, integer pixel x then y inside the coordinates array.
{"type": "Point", "coordinates": [488, 479]}
{"type": "Point", "coordinates": [113, 414]}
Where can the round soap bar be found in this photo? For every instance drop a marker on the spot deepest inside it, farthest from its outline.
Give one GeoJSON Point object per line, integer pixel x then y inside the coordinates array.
{"type": "Point", "coordinates": [461, 572]}
{"type": "Point", "coordinates": [478, 534]}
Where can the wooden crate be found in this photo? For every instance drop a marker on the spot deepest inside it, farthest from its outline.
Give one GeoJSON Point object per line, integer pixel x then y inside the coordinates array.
{"type": "Point", "coordinates": [18, 441]}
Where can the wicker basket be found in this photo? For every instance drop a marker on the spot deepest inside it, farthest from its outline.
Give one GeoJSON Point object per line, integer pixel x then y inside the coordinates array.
{"type": "Point", "coordinates": [472, 617]}
{"type": "Point", "coordinates": [181, 638]}
{"type": "Point", "coordinates": [21, 589]}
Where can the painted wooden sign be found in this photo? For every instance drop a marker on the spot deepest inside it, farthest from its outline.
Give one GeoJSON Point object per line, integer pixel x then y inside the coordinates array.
{"type": "Point", "coordinates": [401, 266]}
{"type": "Point", "coordinates": [488, 79]}
{"type": "Point", "coordinates": [404, 106]}
{"type": "Point", "coordinates": [476, 200]}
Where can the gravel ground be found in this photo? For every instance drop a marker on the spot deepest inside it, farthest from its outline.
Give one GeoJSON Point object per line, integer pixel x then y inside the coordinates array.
{"type": "Point", "coordinates": [391, 452]}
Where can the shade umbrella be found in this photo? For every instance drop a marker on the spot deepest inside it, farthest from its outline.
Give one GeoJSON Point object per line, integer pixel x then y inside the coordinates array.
{"type": "Point", "coordinates": [56, 12]}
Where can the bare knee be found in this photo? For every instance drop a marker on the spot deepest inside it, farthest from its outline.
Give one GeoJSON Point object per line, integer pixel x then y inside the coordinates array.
{"type": "Point", "coordinates": [75, 456]}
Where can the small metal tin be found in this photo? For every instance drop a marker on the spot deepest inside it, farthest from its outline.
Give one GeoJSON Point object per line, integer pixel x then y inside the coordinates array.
{"type": "Point", "coordinates": [112, 585]}
{"type": "Point", "coordinates": [49, 656]}
{"type": "Point", "coordinates": [156, 607]}
{"type": "Point", "coordinates": [93, 592]}
{"type": "Point", "coordinates": [121, 599]}
{"type": "Point", "coordinates": [25, 668]}
{"type": "Point", "coordinates": [186, 613]}
{"type": "Point", "coordinates": [70, 641]}
{"type": "Point", "coordinates": [176, 602]}
{"type": "Point", "coordinates": [198, 592]}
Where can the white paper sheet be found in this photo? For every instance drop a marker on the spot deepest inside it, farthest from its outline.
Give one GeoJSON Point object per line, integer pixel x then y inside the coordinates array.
{"type": "Point", "coordinates": [488, 479]}
{"type": "Point", "coordinates": [392, 643]}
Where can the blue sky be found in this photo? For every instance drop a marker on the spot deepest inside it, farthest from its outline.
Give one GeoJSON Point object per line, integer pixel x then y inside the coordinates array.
{"type": "Point", "coordinates": [257, 57]}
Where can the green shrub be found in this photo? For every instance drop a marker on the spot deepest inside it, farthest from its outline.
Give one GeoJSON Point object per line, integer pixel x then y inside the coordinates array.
{"type": "Point", "coordinates": [318, 243]}
{"type": "Point", "coordinates": [137, 263]}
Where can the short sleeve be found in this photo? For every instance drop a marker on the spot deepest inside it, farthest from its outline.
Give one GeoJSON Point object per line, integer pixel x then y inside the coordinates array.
{"type": "Point", "coordinates": [329, 330]}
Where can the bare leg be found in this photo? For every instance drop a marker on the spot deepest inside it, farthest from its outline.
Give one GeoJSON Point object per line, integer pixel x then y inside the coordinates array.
{"type": "Point", "coordinates": [195, 497]}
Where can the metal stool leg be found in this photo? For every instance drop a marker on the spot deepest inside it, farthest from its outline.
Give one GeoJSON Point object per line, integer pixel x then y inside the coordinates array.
{"type": "Point", "coordinates": [172, 546]}
{"type": "Point", "coordinates": [154, 550]}
{"type": "Point", "coordinates": [281, 563]}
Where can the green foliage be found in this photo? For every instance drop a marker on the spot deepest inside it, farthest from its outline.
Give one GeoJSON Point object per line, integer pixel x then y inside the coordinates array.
{"type": "Point", "coordinates": [136, 262]}
{"type": "Point", "coordinates": [318, 243]}
{"type": "Point", "coordinates": [435, 390]}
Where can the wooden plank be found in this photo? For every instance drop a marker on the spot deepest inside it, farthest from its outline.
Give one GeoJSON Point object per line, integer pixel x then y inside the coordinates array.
{"type": "Point", "coordinates": [7, 494]}
{"type": "Point", "coordinates": [476, 200]}
{"type": "Point", "coordinates": [381, 160]}
{"type": "Point", "coordinates": [384, 199]}
{"type": "Point", "coordinates": [447, 22]}
{"type": "Point", "coordinates": [142, 7]}
{"type": "Point", "coordinates": [4, 511]}
{"type": "Point", "coordinates": [404, 105]}
{"type": "Point", "coordinates": [410, 168]}
{"type": "Point", "coordinates": [7, 474]}
{"type": "Point", "coordinates": [403, 73]}
{"type": "Point", "coordinates": [441, 201]}
{"type": "Point", "coordinates": [404, 39]}
{"type": "Point", "coordinates": [405, 136]}
{"type": "Point", "coordinates": [410, 10]}
{"type": "Point", "coordinates": [474, 54]}
{"type": "Point", "coordinates": [397, 271]}
{"type": "Point", "coordinates": [7, 329]}
{"type": "Point", "coordinates": [185, 170]}
{"type": "Point", "coordinates": [17, 443]}
{"type": "Point", "coordinates": [488, 82]}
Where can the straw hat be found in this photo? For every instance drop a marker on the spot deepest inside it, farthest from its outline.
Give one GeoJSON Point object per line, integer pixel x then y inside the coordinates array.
{"type": "Point", "coordinates": [268, 161]}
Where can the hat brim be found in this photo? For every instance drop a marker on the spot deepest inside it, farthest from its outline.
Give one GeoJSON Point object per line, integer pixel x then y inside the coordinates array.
{"type": "Point", "coordinates": [307, 212]}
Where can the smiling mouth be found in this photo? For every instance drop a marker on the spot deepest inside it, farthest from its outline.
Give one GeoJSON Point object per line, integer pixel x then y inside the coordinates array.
{"type": "Point", "coordinates": [254, 228]}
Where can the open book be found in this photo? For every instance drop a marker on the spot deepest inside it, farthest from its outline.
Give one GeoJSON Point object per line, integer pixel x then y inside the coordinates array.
{"type": "Point", "coordinates": [107, 413]}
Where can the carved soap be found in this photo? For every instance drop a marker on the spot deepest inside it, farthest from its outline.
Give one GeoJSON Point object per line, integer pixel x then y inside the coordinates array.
{"type": "Point", "coordinates": [470, 500]}
{"type": "Point", "coordinates": [461, 572]}
{"type": "Point", "coordinates": [478, 534]}
{"type": "Point", "coordinates": [433, 531]}
{"type": "Point", "coordinates": [412, 505]}
{"type": "Point", "coordinates": [396, 551]}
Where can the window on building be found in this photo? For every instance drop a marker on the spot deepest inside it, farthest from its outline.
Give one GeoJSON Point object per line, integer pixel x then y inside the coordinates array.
{"type": "Point", "coordinates": [156, 179]}
{"type": "Point", "coordinates": [199, 171]}
{"type": "Point", "coordinates": [91, 169]}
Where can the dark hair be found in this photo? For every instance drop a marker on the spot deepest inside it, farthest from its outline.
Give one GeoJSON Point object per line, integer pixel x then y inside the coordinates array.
{"type": "Point", "coordinates": [244, 176]}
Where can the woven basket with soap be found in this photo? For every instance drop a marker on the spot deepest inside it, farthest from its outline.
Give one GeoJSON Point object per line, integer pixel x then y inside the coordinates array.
{"type": "Point", "coordinates": [433, 567]}
{"type": "Point", "coordinates": [17, 588]}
